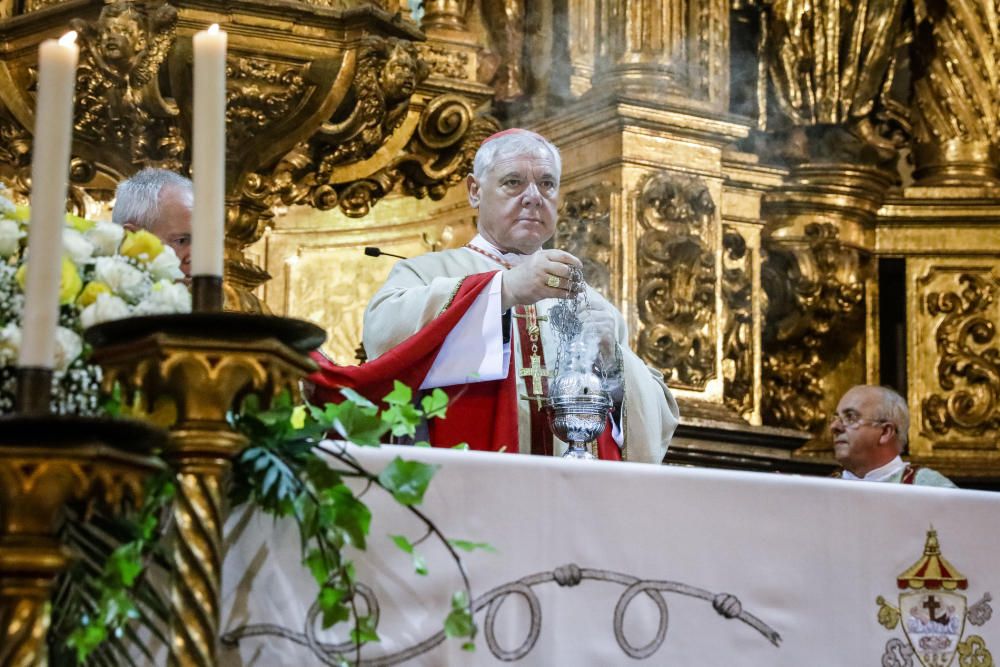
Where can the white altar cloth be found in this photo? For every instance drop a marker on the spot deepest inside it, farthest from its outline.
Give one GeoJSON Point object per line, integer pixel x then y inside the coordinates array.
{"type": "Point", "coordinates": [750, 568]}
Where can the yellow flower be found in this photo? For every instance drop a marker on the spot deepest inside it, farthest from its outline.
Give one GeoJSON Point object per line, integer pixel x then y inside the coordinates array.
{"type": "Point", "coordinates": [21, 213]}
{"type": "Point", "coordinates": [298, 419]}
{"type": "Point", "coordinates": [79, 224]}
{"type": "Point", "coordinates": [141, 245]}
{"type": "Point", "coordinates": [91, 291]}
{"type": "Point", "coordinates": [70, 283]}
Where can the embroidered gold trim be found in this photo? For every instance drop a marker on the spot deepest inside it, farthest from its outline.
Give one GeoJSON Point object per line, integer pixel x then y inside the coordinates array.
{"type": "Point", "coordinates": [451, 297]}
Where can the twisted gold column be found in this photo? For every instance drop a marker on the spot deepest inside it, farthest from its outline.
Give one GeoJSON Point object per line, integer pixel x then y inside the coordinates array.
{"type": "Point", "coordinates": [23, 618]}
{"type": "Point", "coordinates": [197, 545]}
{"type": "Point", "coordinates": [203, 362]}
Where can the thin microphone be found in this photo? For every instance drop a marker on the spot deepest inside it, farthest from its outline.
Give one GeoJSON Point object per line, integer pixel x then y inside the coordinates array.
{"type": "Point", "coordinates": [376, 252]}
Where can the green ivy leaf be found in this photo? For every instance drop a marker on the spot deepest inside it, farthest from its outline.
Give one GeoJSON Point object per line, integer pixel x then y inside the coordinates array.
{"type": "Point", "coordinates": [316, 563]}
{"type": "Point", "coordinates": [358, 424]}
{"type": "Point", "coordinates": [364, 630]}
{"type": "Point", "coordinates": [400, 394]}
{"type": "Point", "coordinates": [358, 399]}
{"type": "Point", "coordinates": [407, 480]}
{"type": "Point", "coordinates": [459, 622]}
{"type": "Point", "coordinates": [320, 474]}
{"type": "Point", "coordinates": [435, 404]}
{"type": "Point", "coordinates": [330, 603]}
{"type": "Point", "coordinates": [419, 564]}
{"type": "Point", "coordinates": [402, 543]}
{"type": "Point", "coordinates": [339, 507]}
{"type": "Point", "coordinates": [402, 419]}
{"type": "Point", "coordinates": [466, 545]}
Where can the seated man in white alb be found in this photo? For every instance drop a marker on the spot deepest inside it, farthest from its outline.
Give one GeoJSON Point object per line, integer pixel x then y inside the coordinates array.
{"type": "Point", "coordinates": [869, 433]}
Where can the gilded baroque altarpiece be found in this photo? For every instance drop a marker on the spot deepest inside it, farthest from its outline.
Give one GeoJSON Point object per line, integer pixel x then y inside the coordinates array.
{"type": "Point", "coordinates": [784, 197]}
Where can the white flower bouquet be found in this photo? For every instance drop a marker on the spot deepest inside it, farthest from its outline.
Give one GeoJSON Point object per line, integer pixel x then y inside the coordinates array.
{"type": "Point", "coordinates": [107, 274]}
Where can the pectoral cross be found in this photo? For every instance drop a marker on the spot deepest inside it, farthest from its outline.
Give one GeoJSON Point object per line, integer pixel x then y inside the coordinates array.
{"type": "Point", "coordinates": [532, 320]}
{"type": "Point", "coordinates": [536, 372]}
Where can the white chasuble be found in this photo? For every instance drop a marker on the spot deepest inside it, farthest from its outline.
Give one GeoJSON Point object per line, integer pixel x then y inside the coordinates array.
{"type": "Point", "coordinates": [418, 289]}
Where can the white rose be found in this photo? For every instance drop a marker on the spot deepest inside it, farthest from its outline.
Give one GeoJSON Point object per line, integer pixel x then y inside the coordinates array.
{"type": "Point", "coordinates": [107, 307]}
{"type": "Point", "coordinates": [106, 237]}
{"type": "Point", "coordinates": [166, 298]}
{"type": "Point", "coordinates": [79, 249]}
{"type": "Point", "coordinates": [10, 237]}
{"type": "Point", "coordinates": [166, 266]}
{"type": "Point", "coordinates": [10, 343]}
{"type": "Point", "coordinates": [6, 205]}
{"type": "Point", "coordinates": [124, 279]}
{"type": "Point", "coordinates": [69, 346]}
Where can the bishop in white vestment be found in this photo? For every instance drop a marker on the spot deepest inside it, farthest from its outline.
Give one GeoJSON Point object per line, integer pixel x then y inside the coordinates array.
{"type": "Point", "coordinates": [474, 320]}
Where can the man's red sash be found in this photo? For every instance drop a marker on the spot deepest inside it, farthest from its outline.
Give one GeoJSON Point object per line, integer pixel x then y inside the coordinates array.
{"type": "Point", "coordinates": [482, 414]}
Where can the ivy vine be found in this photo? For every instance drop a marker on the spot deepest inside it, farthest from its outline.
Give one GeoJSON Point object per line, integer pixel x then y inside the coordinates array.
{"type": "Point", "coordinates": [286, 472]}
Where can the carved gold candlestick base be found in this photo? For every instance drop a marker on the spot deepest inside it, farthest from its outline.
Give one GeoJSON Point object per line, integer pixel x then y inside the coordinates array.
{"type": "Point", "coordinates": [205, 363]}
{"type": "Point", "coordinates": [47, 461]}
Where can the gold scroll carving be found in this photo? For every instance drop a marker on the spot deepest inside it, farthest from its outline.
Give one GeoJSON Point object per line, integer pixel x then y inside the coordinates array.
{"type": "Point", "coordinates": [815, 288]}
{"type": "Point", "coordinates": [737, 322]}
{"type": "Point", "coordinates": [676, 275]}
{"type": "Point", "coordinates": [956, 394]}
{"type": "Point", "coordinates": [584, 230]}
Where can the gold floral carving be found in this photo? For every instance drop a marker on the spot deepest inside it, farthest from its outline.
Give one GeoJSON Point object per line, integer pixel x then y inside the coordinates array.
{"type": "Point", "coordinates": [118, 95]}
{"type": "Point", "coordinates": [388, 72]}
{"type": "Point", "coordinates": [676, 278]}
{"type": "Point", "coordinates": [15, 142]}
{"type": "Point", "coordinates": [737, 318]}
{"type": "Point", "coordinates": [815, 290]}
{"type": "Point", "coordinates": [584, 230]}
{"type": "Point", "coordinates": [956, 110]}
{"type": "Point", "coordinates": [259, 93]}
{"type": "Point", "coordinates": [968, 363]}
{"type": "Point", "coordinates": [438, 156]}
{"type": "Point", "coordinates": [445, 62]}
{"type": "Point", "coordinates": [35, 5]}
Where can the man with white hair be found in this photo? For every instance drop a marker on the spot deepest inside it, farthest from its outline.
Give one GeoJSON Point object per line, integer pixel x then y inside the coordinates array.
{"type": "Point", "coordinates": [160, 202]}
{"type": "Point", "coordinates": [869, 433]}
{"type": "Point", "coordinates": [473, 320]}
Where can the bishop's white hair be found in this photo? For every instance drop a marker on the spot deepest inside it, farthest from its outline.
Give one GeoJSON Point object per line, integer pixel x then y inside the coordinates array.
{"type": "Point", "coordinates": [515, 143]}
{"type": "Point", "coordinates": [137, 199]}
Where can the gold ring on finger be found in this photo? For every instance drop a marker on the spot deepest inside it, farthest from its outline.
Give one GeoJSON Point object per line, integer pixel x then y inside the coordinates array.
{"type": "Point", "coordinates": [553, 281]}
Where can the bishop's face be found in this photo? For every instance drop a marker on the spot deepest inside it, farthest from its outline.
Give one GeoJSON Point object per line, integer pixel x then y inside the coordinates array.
{"type": "Point", "coordinates": [517, 200]}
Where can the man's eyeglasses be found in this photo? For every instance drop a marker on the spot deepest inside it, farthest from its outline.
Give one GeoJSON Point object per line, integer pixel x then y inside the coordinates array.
{"type": "Point", "coordinates": [854, 420]}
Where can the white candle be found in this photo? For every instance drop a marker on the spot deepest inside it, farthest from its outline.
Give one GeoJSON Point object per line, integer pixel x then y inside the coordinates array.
{"type": "Point", "coordinates": [208, 153]}
{"type": "Point", "coordinates": [49, 179]}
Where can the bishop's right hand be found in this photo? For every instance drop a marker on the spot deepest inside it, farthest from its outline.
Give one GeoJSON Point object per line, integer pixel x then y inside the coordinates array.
{"type": "Point", "coordinates": [545, 275]}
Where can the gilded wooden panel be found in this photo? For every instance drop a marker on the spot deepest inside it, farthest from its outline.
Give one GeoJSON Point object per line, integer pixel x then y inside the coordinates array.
{"type": "Point", "coordinates": [954, 369]}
